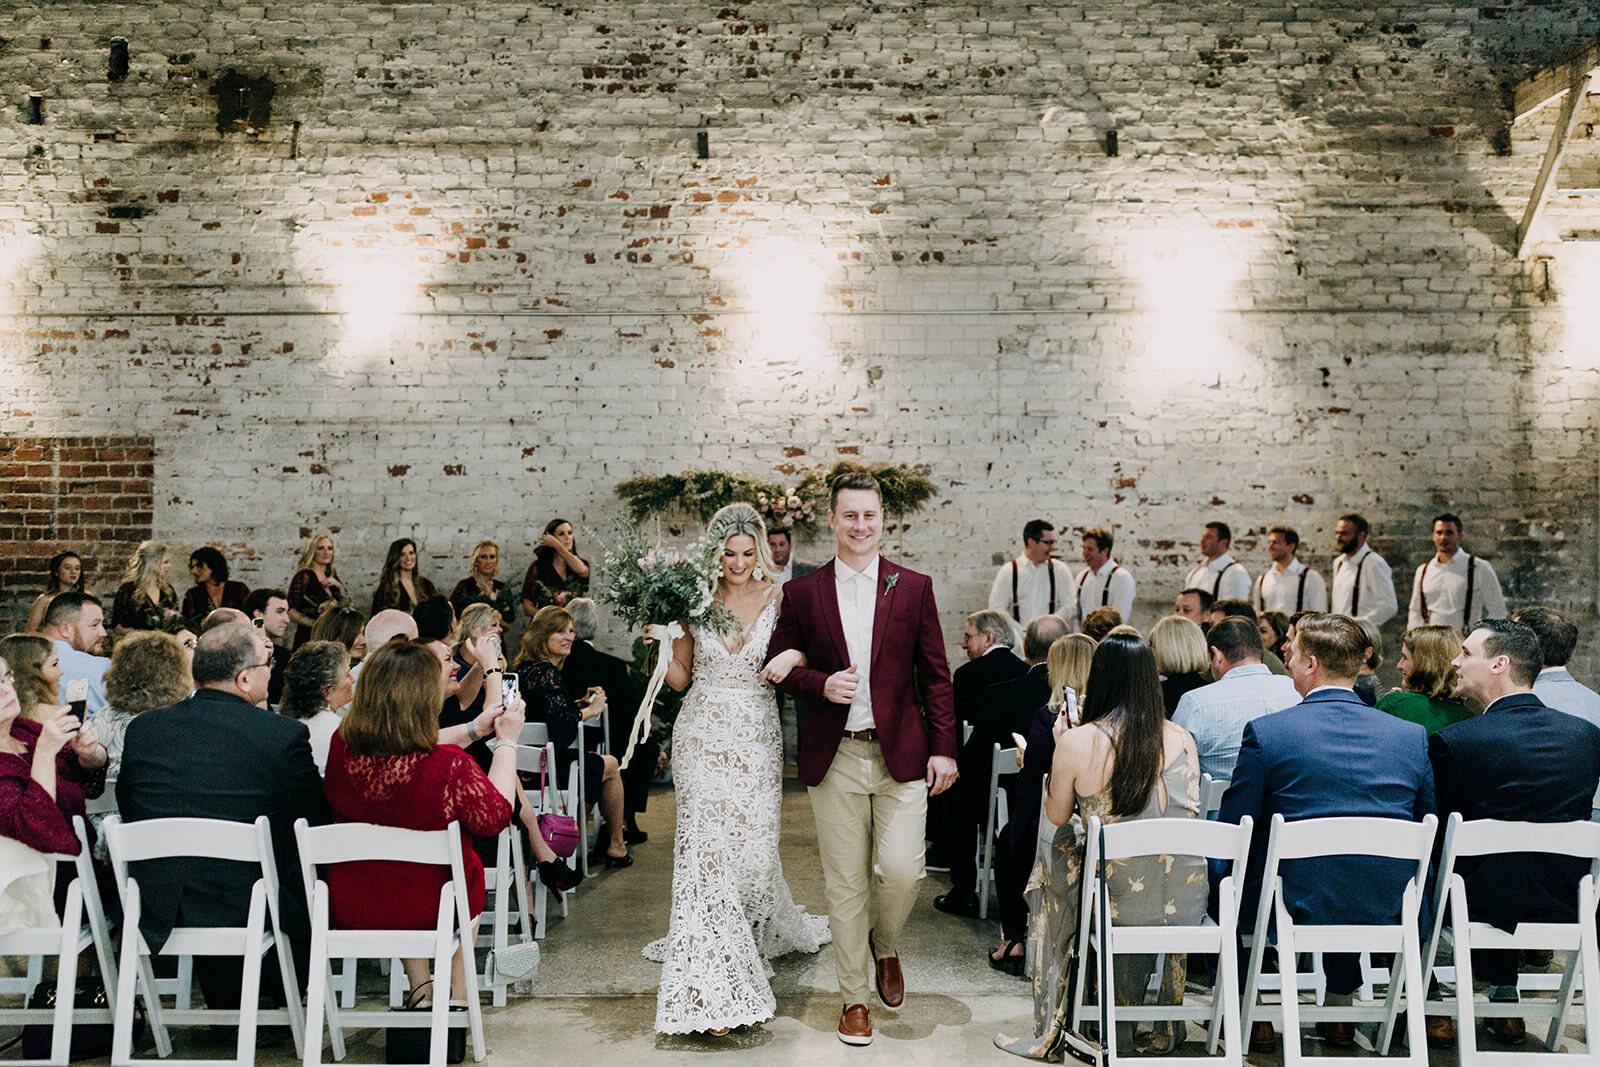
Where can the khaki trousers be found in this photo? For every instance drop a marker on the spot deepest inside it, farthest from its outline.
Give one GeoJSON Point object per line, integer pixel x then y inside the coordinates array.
{"type": "Point", "coordinates": [870, 833]}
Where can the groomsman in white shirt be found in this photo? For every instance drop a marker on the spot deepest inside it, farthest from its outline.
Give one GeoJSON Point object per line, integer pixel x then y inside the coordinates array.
{"type": "Point", "coordinates": [1220, 575]}
{"type": "Point", "coordinates": [1454, 588]}
{"type": "Point", "coordinates": [1288, 585]}
{"type": "Point", "coordinates": [1035, 583]}
{"type": "Point", "coordinates": [1103, 583]}
{"type": "Point", "coordinates": [1363, 584]}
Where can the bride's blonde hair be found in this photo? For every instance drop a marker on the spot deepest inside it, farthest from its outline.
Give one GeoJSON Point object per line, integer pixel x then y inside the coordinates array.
{"type": "Point", "coordinates": [741, 518]}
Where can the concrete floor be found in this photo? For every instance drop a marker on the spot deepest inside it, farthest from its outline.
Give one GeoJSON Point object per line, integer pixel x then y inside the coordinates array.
{"type": "Point", "coordinates": [594, 998]}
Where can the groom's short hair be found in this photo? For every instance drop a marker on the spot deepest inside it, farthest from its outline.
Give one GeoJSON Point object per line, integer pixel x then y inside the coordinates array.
{"type": "Point", "coordinates": [854, 480]}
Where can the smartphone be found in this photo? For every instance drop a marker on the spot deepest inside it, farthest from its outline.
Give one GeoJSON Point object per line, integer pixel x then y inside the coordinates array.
{"type": "Point", "coordinates": [1069, 705]}
{"type": "Point", "coordinates": [78, 697]}
{"type": "Point", "coordinates": [510, 688]}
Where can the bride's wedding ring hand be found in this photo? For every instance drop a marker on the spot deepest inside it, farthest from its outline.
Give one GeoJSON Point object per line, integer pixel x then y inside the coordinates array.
{"type": "Point", "coordinates": [781, 665]}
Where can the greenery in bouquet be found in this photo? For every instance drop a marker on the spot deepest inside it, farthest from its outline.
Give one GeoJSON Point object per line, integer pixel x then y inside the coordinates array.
{"type": "Point", "coordinates": [646, 583]}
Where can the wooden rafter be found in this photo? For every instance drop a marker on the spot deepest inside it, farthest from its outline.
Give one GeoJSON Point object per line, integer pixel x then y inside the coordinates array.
{"type": "Point", "coordinates": [1552, 81]}
{"type": "Point", "coordinates": [1570, 78]}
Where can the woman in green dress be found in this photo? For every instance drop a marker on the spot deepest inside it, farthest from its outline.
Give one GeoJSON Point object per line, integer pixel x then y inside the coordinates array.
{"type": "Point", "coordinates": [1427, 681]}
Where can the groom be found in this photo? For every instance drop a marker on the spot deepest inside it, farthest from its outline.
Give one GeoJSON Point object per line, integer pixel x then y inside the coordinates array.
{"type": "Point", "coordinates": [869, 753]}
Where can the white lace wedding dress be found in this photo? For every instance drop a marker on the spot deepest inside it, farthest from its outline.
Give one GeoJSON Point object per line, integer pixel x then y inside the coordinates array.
{"type": "Point", "coordinates": [731, 908]}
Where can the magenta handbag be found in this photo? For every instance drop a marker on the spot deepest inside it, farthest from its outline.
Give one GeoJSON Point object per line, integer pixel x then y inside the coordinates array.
{"type": "Point", "coordinates": [559, 831]}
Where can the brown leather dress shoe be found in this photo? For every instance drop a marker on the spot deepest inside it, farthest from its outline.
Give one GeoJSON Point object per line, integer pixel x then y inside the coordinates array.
{"type": "Point", "coordinates": [1262, 1039]}
{"type": "Point", "coordinates": [1337, 1035]}
{"type": "Point", "coordinates": [891, 983]}
{"type": "Point", "coordinates": [855, 1025]}
{"type": "Point", "coordinates": [1508, 1031]}
{"type": "Point", "coordinates": [1441, 1031]}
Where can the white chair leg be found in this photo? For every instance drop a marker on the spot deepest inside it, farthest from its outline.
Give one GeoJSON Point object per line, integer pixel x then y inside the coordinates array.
{"type": "Point", "coordinates": [250, 986]}
{"type": "Point", "coordinates": [1589, 949]}
{"type": "Point", "coordinates": [66, 979]}
{"type": "Point", "coordinates": [1290, 979]}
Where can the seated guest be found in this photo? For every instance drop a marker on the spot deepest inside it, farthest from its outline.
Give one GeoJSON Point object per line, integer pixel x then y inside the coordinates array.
{"type": "Point", "coordinates": [386, 766]}
{"type": "Point", "coordinates": [1523, 762]}
{"type": "Point", "coordinates": [145, 599]}
{"type": "Point", "coordinates": [481, 586]}
{"type": "Point", "coordinates": [49, 763]}
{"type": "Point", "coordinates": [1367, 681]}
{"type": "Point", "coordinates": [587, 668]}
{"type": "Point", "coordinates": [1215, 714]}
{"type": "Point", "coordinates": [401, 585]}
{"type": "Point", "coordinates": [1241, 609]}
{"type": "Point", "coordinates": [269, 610]}
{"type": "Point", "coordinates": [316, 685]}
{"type": "Point", "coordinates": [1100, 622]}
{"type": "Point", "coordinates": [66, 576]}
{"type": "Point", "coordinates": [1125, 762]}
{"type": "Point", "coordinates": [545, 647]}
{"type": "Point", "coordinates": [1195, 605]}
{"type": "Point", "coordinates": [987, 642]}
{"type": "Point", "coordinates": [1427, 680]}
{"type": "Point", "coordinates": [473, 649]}
{"type": "Point", "coordinates": [1558, 636]}
{"type": "Point", "coordinates": [1179, 645]}
{"type": "Point", "coordinates": [1274, 629]}
{"type": "Point", "coordinates": [211, 589]}
{"type": "Point", "coordinates": [346, 626]}
{"type": "Point", "coordinates": [1329, 755]}
{"type": "Point", "coordinates": [148, 671]}
{"type": "Point", "coordinates": [384, 627]}
{"type": "Point", "coordinates": [557, 573]}
{"type": "Point", "coordinates": [436, 620]}
{"type": "Point", "coordinates": [1005, 708]}
{"type": "Point", "coordinates": [217, 755]}
{"type": "Point", "coordinates": [75, 626]}
{"type": "Point", "coordinates": [315, 588]}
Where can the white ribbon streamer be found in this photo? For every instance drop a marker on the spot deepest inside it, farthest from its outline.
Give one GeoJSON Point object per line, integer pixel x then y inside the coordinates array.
{"type": "Point", "coordinates": [640, 731]}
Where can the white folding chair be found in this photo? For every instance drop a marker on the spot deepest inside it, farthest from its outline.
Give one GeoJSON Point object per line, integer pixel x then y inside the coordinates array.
{"type": "Point", "coordinates": [1397, 839]}
{"type": "Point", "coordinates": [1487, 837]}
{"type": "Point", "coordinates": [1211, 790]}
{"type": "Point", "coordinates": [83, 923]}
{"type": "Point", "coordinates": [1167, 837]}
{"type": "Point", "coordinates": [324, 846]}
{"type": "Point", "coordinates": [537, 735]}
{"type": "Point", "coordinates": [1005, 763]}
{"type": "Point", "coordinates": [200, 839]}
{"type": "Point", "coordinates": [508, 907]}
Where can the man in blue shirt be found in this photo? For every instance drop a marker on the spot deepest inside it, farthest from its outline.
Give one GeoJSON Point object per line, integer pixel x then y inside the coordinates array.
{"type": "Point", "coordinates": [75, 624]}
{"type": "Point", "coordinates": [1244, 689]}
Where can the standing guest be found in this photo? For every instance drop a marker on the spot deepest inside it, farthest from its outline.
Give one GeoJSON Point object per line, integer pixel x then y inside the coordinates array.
{"type": "Point", "coordinates": [1244, 689]}
{"type": "Point", "coordinates": [145, 599]}
{"type": "Point", "coordinates": [401, 585]}
{"type": "Point", "coordinates": [1329, 755]}
{"type": "Point", "coordinates": [1427, 680]}
{"type": "Point", "coordinates": [780, 542]}
{"type": "Point", "coordinates": [1558, 636]}
{"type": "Point", "coordinates": [148, 671]}
{"type": "Point", "coordinates": [481, 586]}
{"type": "Point", "coordinates": [1220, 575]}
{"type": "Point", "coordinates": [346, 626]}
{"type": "Point", "coordinates": [75, 625]}
{"type": "Point", "coordinates": [1519, 761]}
{"type": "Point", "coordinates": [269, 610]}
{"type": "Point", "coordinates": [315, 588]}
{"type": "Point", "coordinates": [1273, 626]}
{"type": "Point", "coordinates": [1182, 659]}
{"type": "Point", "coordinates": [1454, 588]}
{"type": "Point", "coordinates": [1100, 622]}
{"type": "Point", "coordinates": [211, 589]}
{"type": "Point", "coordinates": [1035, 583]}
{"type": "Point", "coordinates": [1103, 583]}
{"type": "Point", "coordinates": [557, 573]}
{"type": "Point", "coordinates": [1288, 585]}
{"type": "Point", "coordinates": [1194, 605]}
{"type": "Point", "coordinates": [316, 686]}
{"type": "Point", "coordinates": [588, 667]}
{"type": "Point", "coordinates": [66, 576]}
{"type": "Point", "coordinates": [1363, 584]}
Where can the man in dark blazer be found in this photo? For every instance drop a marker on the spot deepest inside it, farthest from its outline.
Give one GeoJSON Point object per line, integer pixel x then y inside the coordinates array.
{"type": "Point", "coordinates": [1329, 755]}
{"type": "Point", "coordinates": [587, 666]}
{"type": "Point", "coordinates": [987, 642]}
{"type": "Point", "coordinates": [880, 735]}
{"type": "Point", "coordinates": [218, 756]}
{"type": "Point", "coordinates": [1523, 762]}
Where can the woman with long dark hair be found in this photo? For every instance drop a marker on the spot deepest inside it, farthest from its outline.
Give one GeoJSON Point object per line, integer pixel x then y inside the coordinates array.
{"type": "Point", "coordinates": [557, 573]}
{"type": "Point", "coordinates": [1125, 762]}
{"type": "Point", "coordinates": [401, 585]}
{"type": "Point", "coordinates": [66, 575]}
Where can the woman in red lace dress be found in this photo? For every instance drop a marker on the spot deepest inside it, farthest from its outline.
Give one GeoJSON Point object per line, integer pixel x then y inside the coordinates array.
{"type": "Point", "coordinates": [386, 766]}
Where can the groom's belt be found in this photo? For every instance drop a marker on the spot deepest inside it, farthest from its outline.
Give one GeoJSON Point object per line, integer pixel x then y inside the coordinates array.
{"type": "Point", "coordinates": [861, 735]}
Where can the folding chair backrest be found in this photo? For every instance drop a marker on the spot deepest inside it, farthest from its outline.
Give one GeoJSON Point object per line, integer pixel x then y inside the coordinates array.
{"type": "Point", "coordinates": [1352, 836]}
{"type": "Point", "coordinates": [1005, 761]}
{"type": "Point", "coordinates": [352, 841]}
{"type": "Point", "coordinates": [215, 839]}
{"type": "Point", "coordinates": [534, 734]}
{"type": "Point", "coordinates": [1482, 837]}
{"type": "Point", "coordinates": [1211, 790]}
{"type": "Point", "coordinates": [1179, 837]}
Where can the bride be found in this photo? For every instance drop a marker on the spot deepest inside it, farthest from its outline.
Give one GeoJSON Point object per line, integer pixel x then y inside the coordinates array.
{"type": "Point", "coordinates": [731, 908]}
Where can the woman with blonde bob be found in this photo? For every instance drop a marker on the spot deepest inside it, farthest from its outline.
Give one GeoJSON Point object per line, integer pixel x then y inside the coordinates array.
{"type": "Point", "coordinates": [1427, 679]}
{"type": "Point", "coordinates": [385, 766]}
{"type": "Point", "coordinates": [1181, 658]}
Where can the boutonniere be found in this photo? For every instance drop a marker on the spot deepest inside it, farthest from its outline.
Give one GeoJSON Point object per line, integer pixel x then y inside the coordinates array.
{"type": "Point", "coordinates": [889, 583]}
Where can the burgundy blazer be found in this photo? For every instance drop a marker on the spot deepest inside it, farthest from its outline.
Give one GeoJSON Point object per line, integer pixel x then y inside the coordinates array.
{"type": "Point", "coordinates": [907, 663]}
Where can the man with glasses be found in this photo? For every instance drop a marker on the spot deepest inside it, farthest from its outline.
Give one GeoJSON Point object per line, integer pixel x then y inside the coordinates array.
{"type": "Point", "coordinates": [218, 755]}
{"type": "Point", "coordinates": [1035, 583]}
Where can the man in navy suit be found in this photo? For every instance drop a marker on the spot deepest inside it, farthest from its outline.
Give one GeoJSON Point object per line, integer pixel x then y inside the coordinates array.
{"type": "Point", "coordinates": [1329, 755]}
{"type": "Point", "coordinates": [1523, 762]}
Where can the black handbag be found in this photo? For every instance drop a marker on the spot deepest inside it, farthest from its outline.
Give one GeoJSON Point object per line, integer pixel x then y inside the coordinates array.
{"type": "Point", "coordinates": [89, 1040]}
{"type": "Point", "coordinates": [409, 1044]}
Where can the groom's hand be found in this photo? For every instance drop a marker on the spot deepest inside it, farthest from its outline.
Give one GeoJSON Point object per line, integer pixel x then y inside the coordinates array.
{"type": "Point", "coordinates": [840, 688]}
{"type": "Point", "coordinates": [942, 774]}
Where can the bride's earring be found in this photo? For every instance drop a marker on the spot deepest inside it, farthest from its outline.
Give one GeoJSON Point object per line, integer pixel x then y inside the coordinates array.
{"type": "Point", "coordinates": [758, 572]}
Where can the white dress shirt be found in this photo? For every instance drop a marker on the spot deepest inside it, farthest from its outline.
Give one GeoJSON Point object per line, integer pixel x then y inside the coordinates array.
{"type": "Point", "coordinates": [1216, 714]}
{"type": "Point", "coordinates": [1110, 586]}
{"type": "Point", "coordinates": [1363, 586]}
{"type": "Point", "coordinates": [858, 601]}
{"type": "Point", "coordinates": [784, 573]}
{"type": "Point", "coordinates": [1445, 587]}
{"type": "Point", "coordinates": [1033, 590]}
{"type": "Point", "coordinates": [1224, 578]}
{"type": "Point", "coordinates": [1280, 591]}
